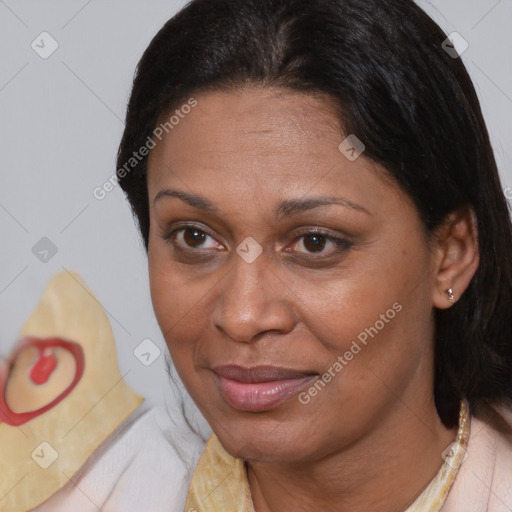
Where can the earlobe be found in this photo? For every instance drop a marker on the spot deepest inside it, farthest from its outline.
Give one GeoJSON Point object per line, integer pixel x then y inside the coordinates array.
{"type": "Point", "coordinates": [457, 257]}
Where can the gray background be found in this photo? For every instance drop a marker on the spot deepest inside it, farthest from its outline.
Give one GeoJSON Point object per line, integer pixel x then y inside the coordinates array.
{"type": "Point", "coordinates": [61, 123]}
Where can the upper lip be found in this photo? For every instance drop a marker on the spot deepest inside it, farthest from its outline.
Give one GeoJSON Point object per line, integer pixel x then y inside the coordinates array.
{"type": "Point", "coordinates": [260, 373]}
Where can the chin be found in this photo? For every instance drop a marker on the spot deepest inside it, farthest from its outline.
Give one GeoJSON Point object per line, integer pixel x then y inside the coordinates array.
{"type": "Point", "coordinates": [262, 445]}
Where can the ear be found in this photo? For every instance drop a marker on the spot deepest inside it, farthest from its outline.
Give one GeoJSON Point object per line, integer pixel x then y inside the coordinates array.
{"type": "Point", "coordinates": [456, 256]}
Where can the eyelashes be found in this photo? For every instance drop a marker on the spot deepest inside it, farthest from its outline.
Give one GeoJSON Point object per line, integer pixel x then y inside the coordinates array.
{"type": "Point", "coordinates": [197, 236]}
{"type": "Point", "coordinates": [320, 240]}
{"type": "Point", "coordinates": [199, 242]}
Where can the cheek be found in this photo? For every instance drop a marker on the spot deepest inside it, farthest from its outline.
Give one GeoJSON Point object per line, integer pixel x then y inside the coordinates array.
{"type": "Point", "coordinates": [341, 304]}
{"type": "Point", "coordinates": [375, 314]}
{"type": "Point", "coordinates": [177, 303]}
{"type": "Point", "coordinates": [167, 293]}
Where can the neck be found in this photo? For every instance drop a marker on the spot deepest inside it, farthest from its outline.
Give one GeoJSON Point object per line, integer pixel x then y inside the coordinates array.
{"type": "Point", "coordinates": [386, 470]}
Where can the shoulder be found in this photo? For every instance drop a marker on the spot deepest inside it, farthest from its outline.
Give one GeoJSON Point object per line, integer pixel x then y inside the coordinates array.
{"type": "Point", "coordinates": [484, 479]}
{"type": "Point", "coordinates": [144, 465]}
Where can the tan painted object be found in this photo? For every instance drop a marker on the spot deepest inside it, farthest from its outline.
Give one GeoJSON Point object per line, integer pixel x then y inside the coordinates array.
{"type": "Point", "coordinates": [40, 455]}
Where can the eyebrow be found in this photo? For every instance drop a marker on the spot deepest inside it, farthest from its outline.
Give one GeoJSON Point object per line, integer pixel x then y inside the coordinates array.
{"type": "Point", "coordinates": [285, 208]}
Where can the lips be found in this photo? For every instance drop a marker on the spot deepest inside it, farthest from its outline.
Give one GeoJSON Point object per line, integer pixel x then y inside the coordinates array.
{"type": "Point", "coordinates": [39, 374]}
{"type": "Point", "coordinates": [259, 388]}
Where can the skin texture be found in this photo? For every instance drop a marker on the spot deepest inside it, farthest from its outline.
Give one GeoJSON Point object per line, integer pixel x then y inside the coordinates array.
{"type": "Point", "coordinates": [371, 439]}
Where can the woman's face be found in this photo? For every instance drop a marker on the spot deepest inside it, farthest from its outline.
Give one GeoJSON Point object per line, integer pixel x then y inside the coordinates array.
{"type": "Point", "coordinates": [291, 281]}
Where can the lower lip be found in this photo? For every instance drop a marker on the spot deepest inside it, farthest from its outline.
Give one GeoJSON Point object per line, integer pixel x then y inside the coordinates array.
{"type": "Point", "coordinates": [260, 396]}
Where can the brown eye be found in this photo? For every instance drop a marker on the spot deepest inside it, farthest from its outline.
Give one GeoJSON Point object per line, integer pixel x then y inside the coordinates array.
{"type": "Point", "coordinates": [191, 238]}
{"type": "Point", "coordinates": [314, 242]}
{"type": "Point", "coordinates": [194, 237]}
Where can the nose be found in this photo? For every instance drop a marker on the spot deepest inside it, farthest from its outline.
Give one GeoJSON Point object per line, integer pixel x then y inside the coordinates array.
{"type": "Point", "coordinates": [253, 300]}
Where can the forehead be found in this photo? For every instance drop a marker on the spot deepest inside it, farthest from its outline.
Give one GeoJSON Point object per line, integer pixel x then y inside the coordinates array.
{"type": "Point", "coordinates": [257, 139]}
{"type": "Point", "coordinates": [252, 119]}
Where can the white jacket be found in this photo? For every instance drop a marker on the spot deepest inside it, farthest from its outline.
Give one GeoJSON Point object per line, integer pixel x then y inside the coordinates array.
{"type": "Point", "coordinates": [484, 480]}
